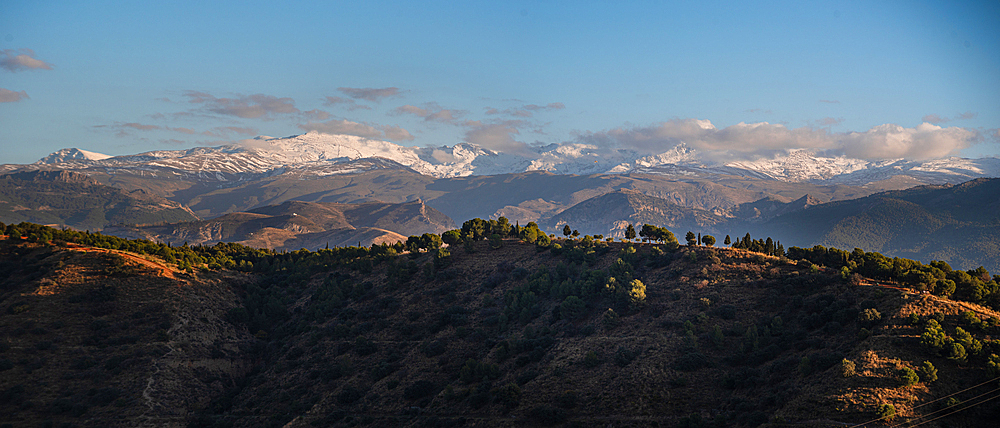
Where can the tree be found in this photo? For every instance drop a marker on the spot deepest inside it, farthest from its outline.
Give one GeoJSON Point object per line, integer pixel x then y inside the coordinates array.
{"type": "Point", "coordinates": [576, 233]}
{"type": "Point", "coordinates": [727, 241]}
{"type": "Point", "coordinates": [636, 293]}
{"type": "Point", "coordinates": [928, 372]}
{"type": "Point", "coordinates": [630, 232]}
{"type": "Point", "coordinates": [451, 237]}
{"type": "Point", "coordinates": [692, 240]}
{"type": "Point", "coordinates": [430, 241]}
{"type": "Point", "coordinates": [572, 308]}
{"type": "Point", "coordinates": [908, 377]}
{"type": "Point", "coordinates": [708, 240]}
{"type": "Point", "coordinates": [567, 231]}
{"type": "Point", "coordinates": [886, 412]}
{"type": "Point", "coordinates": [957, 352]}
{"type": "Point", "coordinates": [530, 233]}
{"type": "Point", "coordinates": [503, 227]}
{"type": "Point", "coordinates": [496, 241]}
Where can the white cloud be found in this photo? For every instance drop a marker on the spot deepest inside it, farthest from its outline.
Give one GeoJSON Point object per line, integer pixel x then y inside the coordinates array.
{"type": "Point", "coordinates": [925, 141]}
{"type": "Point", "coordinates": [9, 96]}
{"type": "Point", "coordinates": [364, 130]}
{"type": "Point", "coordinates": [20, 60]}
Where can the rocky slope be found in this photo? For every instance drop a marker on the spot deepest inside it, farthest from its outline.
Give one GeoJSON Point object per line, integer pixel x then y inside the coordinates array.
{"type": "Point", "coordinates": [93, 339]}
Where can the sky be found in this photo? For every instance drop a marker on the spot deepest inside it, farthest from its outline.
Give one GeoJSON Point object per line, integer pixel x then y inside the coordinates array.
{"type": "Point", "coordinates": [742, 80]}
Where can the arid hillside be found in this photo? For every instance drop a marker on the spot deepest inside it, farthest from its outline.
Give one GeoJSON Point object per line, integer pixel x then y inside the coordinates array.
{"type": "Point", "coordinates": [485, 333]}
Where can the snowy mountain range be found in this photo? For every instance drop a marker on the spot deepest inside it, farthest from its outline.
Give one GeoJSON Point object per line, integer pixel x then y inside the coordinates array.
{"type": "Point", "coordinates": [316, 154]}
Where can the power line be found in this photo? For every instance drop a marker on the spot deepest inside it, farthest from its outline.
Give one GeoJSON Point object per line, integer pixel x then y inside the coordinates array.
{"type": "Point", "coordinates": [959, 410]}
{"type": "Point", "coordinates": [929, 402]}
{"type": "Point", "coordinates": [950, 407]}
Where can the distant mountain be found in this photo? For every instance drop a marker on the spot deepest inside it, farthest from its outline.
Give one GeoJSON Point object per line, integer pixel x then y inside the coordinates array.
{"type": "Point", "coordinates": [959, 224]}
{"type": "Point", "coordinates": [768, 208]}
{"type": "Point", "coordinates": [318, 154]}
{"type": "Point", "coordinates": [72, 155]}
{"type": "Point", "coordinates": [611, 213]}
{"type": "Point", "coordinates": [65, 198]}
{"type": "Point", "coordinates": [293, 225]}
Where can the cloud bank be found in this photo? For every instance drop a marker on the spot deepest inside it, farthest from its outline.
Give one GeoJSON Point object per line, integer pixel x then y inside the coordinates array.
{"type": "Point", "coordinates": [14, 60]}
{"type": "Point", "coordinates": [755, 140]}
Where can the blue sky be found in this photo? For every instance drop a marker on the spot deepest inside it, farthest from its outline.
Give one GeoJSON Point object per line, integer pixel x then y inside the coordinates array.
{"type": "Point", "coordinates": [128, 77]}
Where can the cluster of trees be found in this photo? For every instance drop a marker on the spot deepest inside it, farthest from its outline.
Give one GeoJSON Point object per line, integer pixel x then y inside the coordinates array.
{"type": "Point", "coordinates": [658, 234]}
{"type": "Point", "coordinates": [766, 246]}
{"type": "Point", "coordinates": [976, 285]}
{"type": "Point", "coordinates": [478, 229]}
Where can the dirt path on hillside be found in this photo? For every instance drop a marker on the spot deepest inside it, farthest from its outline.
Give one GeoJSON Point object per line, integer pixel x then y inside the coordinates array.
{"type": "Point", "coordinates": [163, 270]}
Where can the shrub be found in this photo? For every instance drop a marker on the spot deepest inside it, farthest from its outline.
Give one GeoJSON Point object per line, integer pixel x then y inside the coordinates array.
{"type": "Point", "coordinates": [509, 395]}
{"type": "Point", "coordinates": [928, 372]}
{"type": "Point", "coordinates": [886, 412]}
{"type": "Point", "coordinates": [957, 352]}
{"type": "Point", "coordinates": [591, 359]}
{"type": "Point", "coordinates": [847, 367]}
{"type": "Point", "coordinates": [908, 377]}
{"type": "Point", "coordinates": [474, 371]}
{"type": "Point", "coordinates": [869, 316]}
{"type": "Point", "coordinates": [993, 365]}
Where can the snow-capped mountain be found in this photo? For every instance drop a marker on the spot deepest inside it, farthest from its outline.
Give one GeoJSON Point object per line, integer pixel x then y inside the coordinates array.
{"type": "Point", "coordinates": [800, 165]}
{"type": "Point", "coordinates": [315, 154]}
{"type": "Point", "coordinates": [68, 155]}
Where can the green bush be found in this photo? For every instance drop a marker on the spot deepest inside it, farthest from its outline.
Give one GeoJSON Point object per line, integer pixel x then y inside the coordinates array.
{"type": "Point", "coordinates": [928, 372]}
{"type": "Point", "coordinates": [908, 377]}
{"type": "Point", "coordinates": [886, 412]}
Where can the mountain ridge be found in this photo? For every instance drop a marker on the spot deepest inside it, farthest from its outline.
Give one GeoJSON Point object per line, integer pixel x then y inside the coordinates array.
{"type": "Point", "coordinates": [315, 151]}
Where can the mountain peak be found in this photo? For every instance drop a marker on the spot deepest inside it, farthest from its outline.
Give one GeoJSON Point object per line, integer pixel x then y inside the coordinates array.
{"type": "Point", "coordinates": [72, 154]}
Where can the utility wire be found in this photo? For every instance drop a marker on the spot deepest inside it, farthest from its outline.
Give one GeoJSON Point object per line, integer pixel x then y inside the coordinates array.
{"type": "Point", "coordinates": [950, 407]}
{"type": "Point", "coordinates": [929, 402]}
{"type": "Point", "coordinates": [956, 411]}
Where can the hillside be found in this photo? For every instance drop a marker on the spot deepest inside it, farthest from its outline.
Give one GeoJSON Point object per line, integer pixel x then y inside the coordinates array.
{"type": "Point", "coordinates": [957, 224]}
{"type": "Point", "coordinates": [479, 335]}
{"type": "Point", "coordinates": [72, 199]}
{"type": "Point", "coordinates": [293, 225]}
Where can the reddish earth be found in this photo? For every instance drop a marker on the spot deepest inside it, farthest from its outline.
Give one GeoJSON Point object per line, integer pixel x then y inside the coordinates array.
{"type": "Point", "coordinates": [163, 270]}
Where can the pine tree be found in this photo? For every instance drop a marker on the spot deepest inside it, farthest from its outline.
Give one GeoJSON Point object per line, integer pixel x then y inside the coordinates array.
{"type": "Point", "coordinates": [727, 241]}
{"type": "Point", "coordinates": [566, 230]}
{"type": "Point", "coordinates": [630, 232]}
